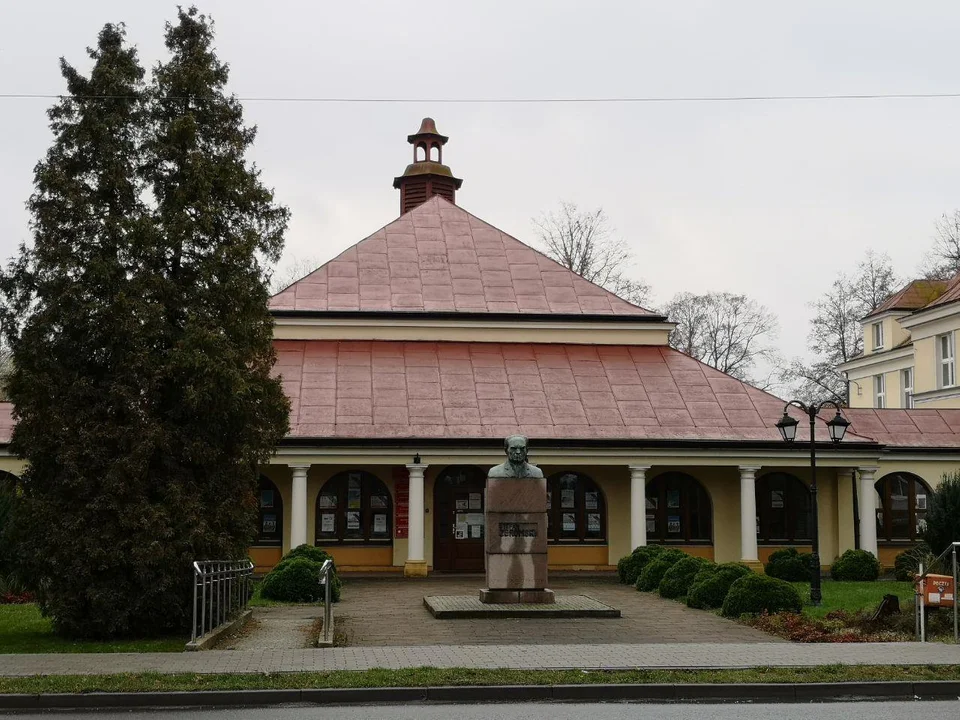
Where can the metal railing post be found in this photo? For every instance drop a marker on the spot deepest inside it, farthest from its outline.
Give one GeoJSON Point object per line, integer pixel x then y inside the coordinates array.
{"type": "Point", "coordinates": [956, 635]}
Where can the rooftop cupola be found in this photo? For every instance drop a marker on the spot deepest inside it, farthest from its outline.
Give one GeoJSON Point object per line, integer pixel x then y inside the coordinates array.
{"type": "Point", "coordinates": [426, 176]}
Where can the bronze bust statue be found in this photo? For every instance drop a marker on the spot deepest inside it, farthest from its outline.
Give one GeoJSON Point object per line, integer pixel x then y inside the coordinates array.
{"type": "Point", "coordinates": [516, 465]}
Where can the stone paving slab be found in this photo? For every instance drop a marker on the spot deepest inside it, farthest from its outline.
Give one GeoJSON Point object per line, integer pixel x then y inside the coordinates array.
{"type": "Point", "coordinates": [531, 657]}
{"type": "Point", "coordinates": [452, 607]}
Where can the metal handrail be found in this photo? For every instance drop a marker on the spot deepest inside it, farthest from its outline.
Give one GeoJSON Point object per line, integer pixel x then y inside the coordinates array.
{"type": "Point", "coordinates": [326, 580]}
{"type": "Point", "coordinates": [920, 592]}
{"type": "Point", "coordinates": [221, 589]}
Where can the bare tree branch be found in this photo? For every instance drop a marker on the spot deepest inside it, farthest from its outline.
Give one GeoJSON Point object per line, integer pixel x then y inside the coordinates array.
{"type": "Point", "coordinates": [583, 241]}
{"type": "Point", "coordinates": [942, 261]}
{"type": "Point", "coordinates": [293, 269]}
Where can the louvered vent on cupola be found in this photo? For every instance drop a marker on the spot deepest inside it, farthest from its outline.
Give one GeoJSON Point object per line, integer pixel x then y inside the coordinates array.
{"type": "Point", "coordinates": [426, 176]}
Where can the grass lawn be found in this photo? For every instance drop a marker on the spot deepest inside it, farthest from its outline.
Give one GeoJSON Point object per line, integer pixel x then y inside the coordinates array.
{"type": "Point", "coordinates": [24, 630]}
{"type": "Point", "coordinates": [424, 677]}
{"type": "Point", "coordinates": [852, 596]}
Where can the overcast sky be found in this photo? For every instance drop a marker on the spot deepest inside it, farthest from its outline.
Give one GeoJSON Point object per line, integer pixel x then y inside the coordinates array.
{"type": "Point", "coordinates": [769, 199]}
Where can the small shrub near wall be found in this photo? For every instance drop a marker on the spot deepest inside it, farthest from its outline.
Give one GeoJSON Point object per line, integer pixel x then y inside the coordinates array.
{"type": "Point", "coordinates": [712, 583]}
{"type": "Point", "coordinates": [856, 565]}
{"type": "Point", "coordinates": [677, 580]}
{"type": "Point", "coordinates": [906, 566]}
{"type": "Point", "coordinates": [296, 578]}
{"type": "Point", "coordinates": [654, 571]}
{"type": "Point", "coordinates": [789, 565]}
{"type": "Point", "coordinates": [630, 566]}
{"type": "Point", "coordinates": [755, 594]}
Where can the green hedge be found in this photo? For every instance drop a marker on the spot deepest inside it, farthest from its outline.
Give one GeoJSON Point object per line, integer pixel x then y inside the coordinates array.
{"type": "Point", "coordinates": [754, 594]}
{"type": "Point", "coordinates": [906, 566]}
{"type": "Point", "coordinates": [856, 565]}
{"type": "Point", "coordinates": [789, 565]}
{"type": "Point", "coordinates": [712, 583]}
{"type": "Point", "coordinates": [630, 566]}
{"type": "Point", "coordinates": [677, 580]}
{"type": "Point", "coordinates": [296, 578]}
{"type": "Point", "coordinates": [654, 570]}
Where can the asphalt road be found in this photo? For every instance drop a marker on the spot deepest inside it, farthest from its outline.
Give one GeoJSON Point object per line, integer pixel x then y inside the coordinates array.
{"type": "Point", "coordinates": [544, 711]}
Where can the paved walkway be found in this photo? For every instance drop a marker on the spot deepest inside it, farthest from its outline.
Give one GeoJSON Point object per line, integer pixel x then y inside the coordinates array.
{"type": "Point", "coordinates": [587, 657]}
{"type": "Point", "coordinates": [386, 612]}
{"type": "Point", "coordinates": [276, 628]}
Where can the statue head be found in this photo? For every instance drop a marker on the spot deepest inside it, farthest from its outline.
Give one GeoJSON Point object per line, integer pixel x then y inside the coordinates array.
{"type": "Point", "coordinates": [515, 447]}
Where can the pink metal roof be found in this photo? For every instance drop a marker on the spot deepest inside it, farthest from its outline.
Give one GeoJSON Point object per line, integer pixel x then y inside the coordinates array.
{"type": "Point", "coordinates": [438, 257]}
{"type": "Point", "coordinates": [361, 389]}
{"type": "Point", "coordinates": [907, 428]}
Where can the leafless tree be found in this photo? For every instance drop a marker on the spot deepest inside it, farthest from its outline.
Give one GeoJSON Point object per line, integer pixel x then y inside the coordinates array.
{"type": "Point", "coordinates": [730, 332]}
{"type": "Point", "coordinates": [583, 241]}
{"type": "Point", "coordinates": [292, 270]}
{"type": "Point", "coordinates": [835, 332]}
{"type": "Point", "coordinates": [942, 261]}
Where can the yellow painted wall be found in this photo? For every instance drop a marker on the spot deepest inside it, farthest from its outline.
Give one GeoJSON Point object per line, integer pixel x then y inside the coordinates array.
{"type": "Point", "coordinates": [578, 557]}
{"type": "Point", "coordinates": [264, 558]}
{"type": "Point", "coordinates": [925, 365]}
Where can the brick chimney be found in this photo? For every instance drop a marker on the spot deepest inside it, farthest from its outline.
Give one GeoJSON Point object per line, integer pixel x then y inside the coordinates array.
{"type": "Point", "coordinates": [426, 176]}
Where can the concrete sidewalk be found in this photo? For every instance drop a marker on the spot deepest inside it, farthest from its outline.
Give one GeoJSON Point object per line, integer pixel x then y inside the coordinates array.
{"type": "Point", "coordinates": [532, 657]}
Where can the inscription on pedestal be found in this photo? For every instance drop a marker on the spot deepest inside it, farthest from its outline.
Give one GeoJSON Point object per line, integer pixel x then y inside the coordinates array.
{"type": "Point", "coordinates": [518, 530]}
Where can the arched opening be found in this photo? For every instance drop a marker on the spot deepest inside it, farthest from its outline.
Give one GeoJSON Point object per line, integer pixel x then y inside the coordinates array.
{"type": "Point", "coordinates": [354, 507]}
{"type": "Point", "coordinates": [783, 509]}
{"type": "Point", "coordinates": [576, 509]}
{"type": "Point", "coordinates": [419, 152]}
{"type": "Point", "coordinates": [270, 525]}
{"type": "Point", "coordinates": [902, 507]}
{"type": "Point", "coordinates": [678, 510]}
{"type": "Point", "coordinates": [458, 523]}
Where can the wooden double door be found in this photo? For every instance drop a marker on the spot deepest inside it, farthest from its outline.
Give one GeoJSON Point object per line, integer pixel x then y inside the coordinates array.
{"type": "Point", "coordinates": [458, 503]}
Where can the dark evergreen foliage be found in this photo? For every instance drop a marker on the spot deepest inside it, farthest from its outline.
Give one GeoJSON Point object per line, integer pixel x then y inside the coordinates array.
{"type": "Point", "coordinates": [855, 565]}
{"type": "Point", "coordinates": [653, 571]}
{"type": "Point", "coordinates": [754, 594]}
{"type": "Point", "coordinates": [712, 583]}
{"type": "Point", "coordinates": [906, 565]}
{"type": "Point", "coordinates": [678, 579]}
{"type": "Point", "coordinates": [790, 565]}
{"type": "Point", "coordinates": [290, 579]}
{"type": "Point", "coordinates": [141, 339]}
{"type": "Point", "coordinates": [943, 514]}
{"type": "Point", "coordinates": [630, 566]}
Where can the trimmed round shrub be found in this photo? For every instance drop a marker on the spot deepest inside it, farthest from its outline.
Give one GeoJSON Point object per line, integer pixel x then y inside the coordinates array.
{"type": "Point", "coordinates": [906, 565]}
{"type": "Point", "coordinates": [654, 570]}
{"type": "Point", "coordinates": [789, 565]}
{"type": "Point", "coordinates": [712, 583]}
{"type": "Point", "coordinates": [306, 561]}
{"type": "Point", "coordinates": [856, 565]}
{"type": "Point", "coordinates": [754, 594]}
{"type": "Point", "coordinates": [630, 566]}
{"type": "Point", "coordinates": [677, 580]}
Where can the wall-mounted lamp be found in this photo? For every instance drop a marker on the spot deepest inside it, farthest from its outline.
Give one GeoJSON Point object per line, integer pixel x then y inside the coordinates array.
{"type": "Point", "coordinates": [416, 459]}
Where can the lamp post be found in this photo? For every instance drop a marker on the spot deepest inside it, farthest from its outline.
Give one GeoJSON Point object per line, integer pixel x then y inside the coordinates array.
{"type": "Point", "coordinates": [837, 427]}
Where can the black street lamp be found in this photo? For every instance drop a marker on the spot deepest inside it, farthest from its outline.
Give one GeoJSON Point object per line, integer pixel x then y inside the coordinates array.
{"type": "Point", "coordinates": [837, 427]}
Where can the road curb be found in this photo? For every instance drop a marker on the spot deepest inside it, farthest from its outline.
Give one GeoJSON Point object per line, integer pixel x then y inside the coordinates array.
{"type": "Point", "coordinates": [698, 693]}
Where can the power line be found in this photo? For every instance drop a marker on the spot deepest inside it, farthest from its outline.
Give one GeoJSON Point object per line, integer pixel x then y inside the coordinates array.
{"type": "Point", "coordinates": [524, 101]}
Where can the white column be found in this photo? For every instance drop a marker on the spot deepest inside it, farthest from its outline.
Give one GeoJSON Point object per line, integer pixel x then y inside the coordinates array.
{"type": "Point", "coordinates": [748, 515]}
{"type": "Point", "coordinates": [298, 506]}
{"type": "Point", "coordinates": [638, 505]}
{"type": "Point", "coordinates": [416, 564]}
{"type": "Point", "coordinates": [868, 510]}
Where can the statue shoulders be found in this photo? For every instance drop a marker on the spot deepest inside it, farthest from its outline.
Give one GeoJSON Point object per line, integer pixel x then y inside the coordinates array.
{"type": "Point", "coordinates": [534, 472]}
{"type": "Point", "coordinates": [500, 471]}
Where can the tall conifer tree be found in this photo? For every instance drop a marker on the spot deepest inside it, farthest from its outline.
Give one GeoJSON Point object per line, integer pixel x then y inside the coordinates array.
{"type": "Point", "coordinates": [141, 339]}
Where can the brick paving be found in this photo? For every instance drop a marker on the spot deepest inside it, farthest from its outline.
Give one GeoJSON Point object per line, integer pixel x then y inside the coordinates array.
{"type": "Point", "coordinates": [469, 606]}
{"type": "Point", "coordinates": [401, 618]}
{"type": "Point", "coordinates": [276, 628]}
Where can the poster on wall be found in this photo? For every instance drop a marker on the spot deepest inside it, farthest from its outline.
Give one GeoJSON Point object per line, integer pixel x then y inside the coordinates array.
{"type": "Point", "coordinates": [476, 531]}
{"type": "Point", "coordinates": [328, 501]}
{"type": "Point", "coordinates": [476, 501]}
{"type": "Point", "coordinates": [266, 498]}
{"type": "Point", "coordinates": [651, 523]}
{"type": "Point", "coordinates": [269, 524]}
{"type": "Point", "coordinates": [380, 523]}
{"type": "Point", "coordinates": [567, 499]}
{"type": "Point", "coordinates": [327, 522]}
{"type": "Point", "coordinates": [569, 522]}
{"type": "Point", "coordinates": [462, 504]}
{"type": "Point", "coordinates": [353, 495]}
{"type": "Point", "coordinates": [673, 524]}
{"type": "Point", "coordinates": [353, 521]}
{"type": "Point", "coordinates": [461, 531]}
{"type": "Point", "coordinates": [652, 503]}
{"type": "Point", "coordinates": [378, 502]}
{"type": "Point", "coordinates": [776, 499]}
{"type": "Point", "coordinates": [401, 493]}
{"type": "Point", "coordinates": [673, 498]}
{"type": "Point", "coordinates": [593, 523]}
{"type": "Point", "coordinates": [592, 500]}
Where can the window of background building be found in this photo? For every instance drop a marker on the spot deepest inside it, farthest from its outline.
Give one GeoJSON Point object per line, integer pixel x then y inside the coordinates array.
{"type": "Point", "coordinates": [906, 388]}
{"type": "Point", "coordinates": [576, 511]}
{"type": "Point", "coordinates": [270, 525]}
{"type": "Point", "coordinates": [878, 336]}
{"type": "Point", "coordinates": [945, 354]}
{"type": "Point", "coordinates": [902, 509]}
{"type": "Point", "coordinates": [783, 509]}
{"type": "Point", "coordinates": [879, 393]}
{"type": "Point", "coordinates": [678, 510]}
{"type": "Point", "coordinates": [353, 507]}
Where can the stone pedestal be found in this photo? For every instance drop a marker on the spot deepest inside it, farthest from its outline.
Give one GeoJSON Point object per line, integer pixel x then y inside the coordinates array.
{"type": "Point", "coordinates": [516, 541]}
